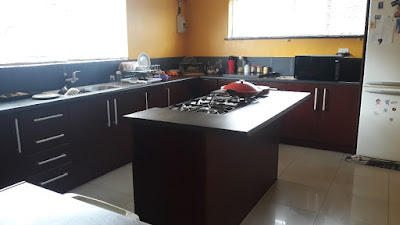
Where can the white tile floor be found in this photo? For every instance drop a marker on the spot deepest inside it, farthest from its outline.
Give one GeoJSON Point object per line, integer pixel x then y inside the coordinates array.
{"type": "Point", "coordinates": [314, 187]}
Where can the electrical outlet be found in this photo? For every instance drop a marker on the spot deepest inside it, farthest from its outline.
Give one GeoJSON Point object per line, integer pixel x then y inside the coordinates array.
{"type": "Point", "coordinates": [343, 50]}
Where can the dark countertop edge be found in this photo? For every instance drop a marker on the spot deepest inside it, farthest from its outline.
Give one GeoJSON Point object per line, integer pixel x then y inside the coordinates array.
{"type": "Point", "coordinates": [29, 103]}
{"type": "Point", "coordinates": [218, 130]}
{"type": "Point", "coordinates": [244, 77]}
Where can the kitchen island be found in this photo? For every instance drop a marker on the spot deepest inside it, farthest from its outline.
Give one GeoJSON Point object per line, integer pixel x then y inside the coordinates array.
{"type": "Point", "coordinates": [199, 168]}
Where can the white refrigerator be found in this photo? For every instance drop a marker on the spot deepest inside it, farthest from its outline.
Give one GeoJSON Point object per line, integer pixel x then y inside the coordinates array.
{"type": "Point", "coordinates": [379, 125]}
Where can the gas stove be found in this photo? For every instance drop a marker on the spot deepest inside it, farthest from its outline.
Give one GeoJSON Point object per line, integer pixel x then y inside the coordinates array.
{"type": "Point", "coordinates": [215, 103]}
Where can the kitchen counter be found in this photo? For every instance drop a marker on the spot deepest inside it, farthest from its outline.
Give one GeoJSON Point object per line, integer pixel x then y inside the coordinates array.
{"type": "Point", "coordinates": [246, 120]}
{"type": "Point", "coordinates": [190, 169]}
{"type": "Point", "coordinates": [29, 103]}
{"type": "Point", "coordinates": [255, 78]}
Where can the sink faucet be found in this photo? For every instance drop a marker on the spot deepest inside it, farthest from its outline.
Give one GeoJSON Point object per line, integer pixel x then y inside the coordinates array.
{"type": "Point", "coordinates": [74, 79]}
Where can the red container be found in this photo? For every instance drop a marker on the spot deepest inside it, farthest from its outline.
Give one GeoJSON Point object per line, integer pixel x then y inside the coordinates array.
{"type": "Point", "coordinates": [231, 66]}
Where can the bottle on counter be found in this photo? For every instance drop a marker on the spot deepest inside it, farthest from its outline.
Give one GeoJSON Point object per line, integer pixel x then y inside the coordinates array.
{"type": "Point", "coordinates": [247, 69]}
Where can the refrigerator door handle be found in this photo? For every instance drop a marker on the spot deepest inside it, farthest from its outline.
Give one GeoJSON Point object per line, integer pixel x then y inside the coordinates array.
{"type": "Point", "coordinates": [386, 92]}
{"type": "Point", "coordinates": [383, 83]}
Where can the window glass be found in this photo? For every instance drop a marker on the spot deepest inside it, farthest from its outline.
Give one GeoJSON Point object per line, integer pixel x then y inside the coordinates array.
{"type": "Point", "coordinates": [296, 18]}
{"type": "Point", "coordinates": [60, 30]}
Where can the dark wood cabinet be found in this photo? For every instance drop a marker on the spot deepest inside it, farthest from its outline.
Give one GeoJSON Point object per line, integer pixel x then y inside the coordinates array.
{"type": "Point", "coordinates": [205, 86]}
{"type": "Point", "coordinates": [11, 160]}
{"type": "Point", "coordinates": [327, 120]}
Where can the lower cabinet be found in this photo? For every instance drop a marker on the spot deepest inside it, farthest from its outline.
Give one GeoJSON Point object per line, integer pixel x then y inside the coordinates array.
{"type": "Point", "coordinates": [327, 120]}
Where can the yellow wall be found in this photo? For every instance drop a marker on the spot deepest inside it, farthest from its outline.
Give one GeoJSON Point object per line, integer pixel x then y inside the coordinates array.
{"type": "Point", "coordinates": [152, 29]}
{"type": "Point", "coordinates": [207, 26]}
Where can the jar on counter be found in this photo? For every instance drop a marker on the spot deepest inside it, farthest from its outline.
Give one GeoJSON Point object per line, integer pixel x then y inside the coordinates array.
{"type": "Point", "coordinates": [259, 69]}
{"type": "Point", "coordinates": [253, 69]}
{"type": "Point", "coordinates": [247, 69]}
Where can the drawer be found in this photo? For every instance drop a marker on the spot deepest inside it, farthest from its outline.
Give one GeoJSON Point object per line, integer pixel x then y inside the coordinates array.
{"type": "Point", "coordinates": [43, 128]}
{"type": "Point", "coordinates": [59, 179]}
{"type": "Point", "coordinates": [49, 159]}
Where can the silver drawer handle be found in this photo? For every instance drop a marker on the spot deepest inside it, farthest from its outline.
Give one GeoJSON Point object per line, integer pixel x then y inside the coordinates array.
{"type": "Point", "coordinates": [108, 114]}
{"type": "Point", "coordinates": [18, 137]}
{"type": "Point", "coordinates": [169, 97]}
{"type": "Point", "coordinates": [115, 112]}
{"type": "Point", "coordinates": [147, 101]}
{"type": "Point", "coordinates": [50, 138]}
{"type": "Point", "coordinates": [53, 179]}
{"type": "Point", "coordinates": [315, 98]}
{"type": "Point", "coordinates": [48, 117]}
{"type": "Point", "coordinates": [324, 100]}
{"type": "Point", "coordinates": [52, 159]}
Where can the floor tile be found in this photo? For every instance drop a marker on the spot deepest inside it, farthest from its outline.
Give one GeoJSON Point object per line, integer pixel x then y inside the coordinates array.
{"type": "Point", "coordinates": [120, 180]}
{"type": "Point", "coordinates": [98, 192]}
{"type": "Point", "coordinates": [287, 154]}
{"type": "Point", "coordinates": [315, 157]}
{"type": "Point", "coordinates": [350, 168]}
{"type": "Point", "coordinates": [325, 220]}
{"type": "Point", "coordinates": [268, 213]}
{"type": "Point", "coordinates": [347, 208]}
{"type": "Point", "coordinates": [297, 195]}
{"type": "Point", "coordinates": [130, 206]}
{"type": "Point", "coordinates": [361, 186]}
{"type": "Point", "coordinates": [310, 175]}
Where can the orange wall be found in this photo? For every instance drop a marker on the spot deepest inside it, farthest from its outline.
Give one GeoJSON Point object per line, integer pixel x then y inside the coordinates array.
{"type": "Point", "coordinates": [152, 28]}
{"type": "Point", "coordinates": [207, 26]}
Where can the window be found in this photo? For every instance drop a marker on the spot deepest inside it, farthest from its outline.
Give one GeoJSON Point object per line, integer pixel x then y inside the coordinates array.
{"type": "Point", "coordinates": [43, 31]}
{"type": "Point", "coordinates": [296, 18]}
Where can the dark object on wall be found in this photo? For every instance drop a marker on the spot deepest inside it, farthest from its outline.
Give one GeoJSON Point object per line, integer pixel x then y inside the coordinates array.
{"type": "Point", "coordinates": [327, 68]}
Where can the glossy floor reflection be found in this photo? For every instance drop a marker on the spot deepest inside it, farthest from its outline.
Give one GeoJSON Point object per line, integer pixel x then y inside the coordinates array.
{"type": "Point", "coordinates": [314, 187]}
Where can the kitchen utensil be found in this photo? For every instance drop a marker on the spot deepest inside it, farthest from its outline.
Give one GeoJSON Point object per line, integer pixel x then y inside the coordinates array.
{"type": "Point", "coordinates": [45, 96]}
{"type": "Point", "coordinates": [72, 91]}
{"type": "Point", "coordinates": [144, 61]}
{"type": "Point", "coordinates": [245, 89]}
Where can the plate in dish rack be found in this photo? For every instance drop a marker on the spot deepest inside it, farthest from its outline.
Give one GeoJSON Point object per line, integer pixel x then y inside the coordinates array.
{"type": "Point", "coordinates": [144, 61]}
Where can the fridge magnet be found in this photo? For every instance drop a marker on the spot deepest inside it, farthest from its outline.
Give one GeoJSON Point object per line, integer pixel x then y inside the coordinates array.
{"type": "Point", "coordinates": [387, 102]}
{"type": "Point", "coordinates": [378, 101]}
{"type": "Point", "coordinates": [376, 113]}
{"type": "Point", "coordinates": [372, 25]}
{"type": "Point", "coordinates": [397, 13]}
{"type": "Point", "coordinates": [385, 110]}
{"type": "Point", "coordinates": [391, 119]}
{"type": "Point", "coordinates": [393, 102]}
{"type": "Point", "coordinates": [398, 26]}
{"type": "Point", "coordinates": [394, 109]}
{"type": "Point", "coordinates": [380, 41]}
{"type": "Point", "coordinates": [380, 5]}
{"type": "Point", "coordinates": [377, 17]}
{"type": "Point", "coordinates": [394, 3]}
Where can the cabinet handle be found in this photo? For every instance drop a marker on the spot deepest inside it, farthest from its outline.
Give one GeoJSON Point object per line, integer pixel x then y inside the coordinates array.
{"type": "Point", "coordinates": [53, 179]}
{"type": "Point", "coordinates": [315, 98]}
{"type": "Point", "coordinates": [324, 101]}
{"type": "Point", "coordinates": [169, 99]}
{"type": "Point", "coordinates": [52, 159]}
{"type": "Point", "coordinates": [108, 114]}
{"type": "Point", "coordinates": [18, 137]}
{"type": "Point", "coordinates": [50, 138]}
{"type": "Point", "coordinates": [116, 112]}
{"type": "Point", "coordinates": [48, 117]}
{"type": "Point", "coordinates": [147, 101]}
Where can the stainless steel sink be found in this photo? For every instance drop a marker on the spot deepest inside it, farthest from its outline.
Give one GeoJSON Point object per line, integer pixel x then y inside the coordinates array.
{"type": "Point", "coordinates": [96, 88]}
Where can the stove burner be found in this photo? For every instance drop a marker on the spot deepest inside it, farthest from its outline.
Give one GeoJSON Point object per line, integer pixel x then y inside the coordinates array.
{"type": "Point", "coordinates": [214, 103]}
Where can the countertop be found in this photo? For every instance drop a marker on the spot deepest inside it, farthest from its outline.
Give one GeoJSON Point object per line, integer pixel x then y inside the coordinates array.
{"type": "Point", "coordinates": [29, 103]}
{"type": "Point", "coordinates": [247, 120]}
{"type": "Point", "coordinates": [24, 203]}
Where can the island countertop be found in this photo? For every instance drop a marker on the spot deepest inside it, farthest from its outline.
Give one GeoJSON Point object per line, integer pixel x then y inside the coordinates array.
{"type": "Point", "coordinates": [247, 120]}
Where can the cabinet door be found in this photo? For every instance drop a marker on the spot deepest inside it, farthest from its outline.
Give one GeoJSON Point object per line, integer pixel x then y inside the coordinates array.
{"type": "Point", "coordinates": [157, 97]}
{"type": "Point", "coordinates": [180, 92]}
{"type": "Point", "coordinates": [300, 123]}
{"type": "Point", "coordinates": [11, 160]}
{"type": "Point", "coordinates": [339, 115]}
{"type": "Point", "coordinates": [206, 86]}
{"type": "Point", "coordinates": [90, 121]}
